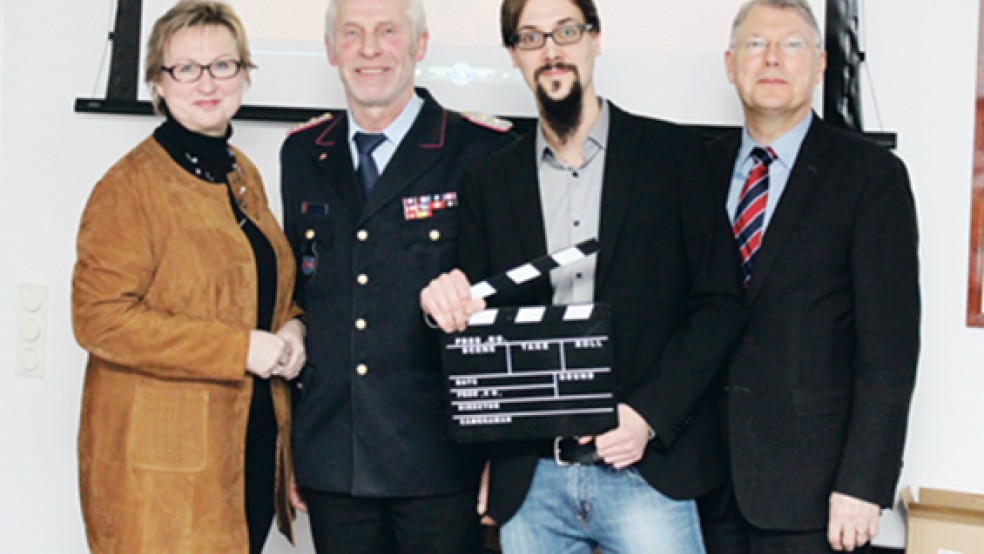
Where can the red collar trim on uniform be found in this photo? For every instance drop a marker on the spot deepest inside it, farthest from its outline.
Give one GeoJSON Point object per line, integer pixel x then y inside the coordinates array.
{"type": "Point", "coordinates": [444, 127]}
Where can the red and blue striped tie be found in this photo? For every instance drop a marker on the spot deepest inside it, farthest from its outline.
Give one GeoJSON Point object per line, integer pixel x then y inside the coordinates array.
{"type": "Point", "coordinates": [750, 214]}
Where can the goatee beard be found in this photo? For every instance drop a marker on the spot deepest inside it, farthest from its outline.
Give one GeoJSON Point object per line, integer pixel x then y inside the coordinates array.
{"type": "Point", "coordinates": [562, 115]}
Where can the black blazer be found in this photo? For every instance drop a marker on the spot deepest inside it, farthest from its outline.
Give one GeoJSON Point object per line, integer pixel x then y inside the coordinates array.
{"type": "Point", "coordinates": [667, 266]}
{"type": "Point", "coordinates": [384, 433]}
{"type": "Point", "coordinates": [821, 381]}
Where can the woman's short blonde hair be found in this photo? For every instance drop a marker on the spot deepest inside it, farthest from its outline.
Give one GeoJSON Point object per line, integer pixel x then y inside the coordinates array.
{"type": "Point", "coordinates": [184, 14]}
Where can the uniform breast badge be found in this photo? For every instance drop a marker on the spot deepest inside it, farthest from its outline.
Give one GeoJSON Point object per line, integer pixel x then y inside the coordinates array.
{"type": "Point", "coordinates": [424, 207]}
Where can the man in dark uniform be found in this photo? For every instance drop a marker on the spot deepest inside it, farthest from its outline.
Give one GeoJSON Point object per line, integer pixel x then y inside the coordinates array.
{"type": "Point", "coordinates": [370, 207]}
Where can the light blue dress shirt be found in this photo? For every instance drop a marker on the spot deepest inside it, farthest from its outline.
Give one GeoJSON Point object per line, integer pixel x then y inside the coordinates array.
{"type": "Point", "coordinates": [786, 148]}
{"type": "Point", "coordinates": [394, 134]}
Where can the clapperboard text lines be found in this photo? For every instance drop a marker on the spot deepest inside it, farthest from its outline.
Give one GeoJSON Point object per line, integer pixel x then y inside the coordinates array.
{"type": "Point", "coordinates": [479, 392]}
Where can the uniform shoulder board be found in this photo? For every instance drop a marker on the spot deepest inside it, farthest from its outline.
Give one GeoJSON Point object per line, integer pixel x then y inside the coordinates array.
{"type": "Point", "coordinates": [488, 121]}
{"type": "Point", "coordinates": [311, 123]}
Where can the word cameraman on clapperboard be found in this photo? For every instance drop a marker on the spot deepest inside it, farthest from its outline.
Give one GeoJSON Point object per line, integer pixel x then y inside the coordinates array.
{"type": "Point", "coordinates": [370, 208]}
{"type": "Point", "coordinates": [667, 266]}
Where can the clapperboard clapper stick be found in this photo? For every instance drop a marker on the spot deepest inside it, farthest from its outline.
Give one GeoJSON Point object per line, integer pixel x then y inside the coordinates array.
{"type": "Point", "coordinates": [531, 372]}
{"type": "Point", "coordinates": [527, 272]}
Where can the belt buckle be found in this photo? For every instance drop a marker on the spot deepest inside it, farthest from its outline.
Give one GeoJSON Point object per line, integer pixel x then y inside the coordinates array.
{"type": "Point", "coordinates": [556, 453]}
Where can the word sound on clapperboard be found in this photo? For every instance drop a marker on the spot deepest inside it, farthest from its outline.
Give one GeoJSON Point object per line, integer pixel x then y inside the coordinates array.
{"type": "Point", "coordinates": [531, 372]}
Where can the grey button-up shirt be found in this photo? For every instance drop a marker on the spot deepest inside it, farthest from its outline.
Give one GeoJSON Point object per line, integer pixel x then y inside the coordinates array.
{"type": "Point", "coordinates": [571, 199]}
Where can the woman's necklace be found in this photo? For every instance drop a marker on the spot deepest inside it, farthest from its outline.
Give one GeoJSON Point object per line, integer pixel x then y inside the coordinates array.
{"type": "Point", "coordinates": [203, 173]}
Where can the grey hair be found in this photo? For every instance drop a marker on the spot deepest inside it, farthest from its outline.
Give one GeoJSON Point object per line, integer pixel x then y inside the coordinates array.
{"type": "Point", "coordinates": [802, 7]}
{"type": "Point", "coordinates": [415, 11]}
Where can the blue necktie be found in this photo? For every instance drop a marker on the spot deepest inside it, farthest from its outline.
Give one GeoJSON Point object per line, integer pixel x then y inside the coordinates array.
{"type": "Point", "coordinates": [368, 172]}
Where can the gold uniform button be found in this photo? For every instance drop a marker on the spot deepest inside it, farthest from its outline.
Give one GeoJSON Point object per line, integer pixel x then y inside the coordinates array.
{"type": "Point", "coordinates": [360, 324]}
{"type": "Point", "coordinates": [362, 279]}
{"type": "Point", "coordinates": [435, 235]}
{"type": "Point", "coordinates": [362, 369]}
{"type": "Point", "coordinates": [309, 234]}
{"type": "Point", "coordinates": [362, 235]}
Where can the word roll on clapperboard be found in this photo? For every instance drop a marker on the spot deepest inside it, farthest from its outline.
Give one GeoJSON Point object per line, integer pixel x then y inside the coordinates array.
{"type": "Point", "coordinates": [531, 372]}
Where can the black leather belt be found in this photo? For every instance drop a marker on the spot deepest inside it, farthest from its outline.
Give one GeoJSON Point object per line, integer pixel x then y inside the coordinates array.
{"type": "Point", "coordinates": [566, 451]}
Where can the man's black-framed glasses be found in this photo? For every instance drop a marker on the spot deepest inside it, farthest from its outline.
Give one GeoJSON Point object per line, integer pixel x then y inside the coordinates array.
{"type": "Point", "coordinates": [189, 72]}
{"type": "Point", "coordinates": [569, 33]}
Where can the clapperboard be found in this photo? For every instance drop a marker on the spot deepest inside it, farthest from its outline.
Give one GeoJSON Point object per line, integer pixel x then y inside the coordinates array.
{"type": "Point", "coordinates": [531, 372]}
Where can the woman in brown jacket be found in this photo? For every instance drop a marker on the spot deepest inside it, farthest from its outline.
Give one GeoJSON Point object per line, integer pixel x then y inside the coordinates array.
{"type": "Point", "coordinates": [182, 275]}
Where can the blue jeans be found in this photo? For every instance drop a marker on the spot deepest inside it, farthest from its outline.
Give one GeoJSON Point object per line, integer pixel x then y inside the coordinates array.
{"type": "Point", "coordinates": [575, 509]}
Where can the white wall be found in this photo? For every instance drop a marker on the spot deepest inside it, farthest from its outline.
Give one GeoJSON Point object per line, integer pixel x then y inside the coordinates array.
{"type": "Point", "coordinates": [926, 89]}
{"type": "Point", "coordinates": [923, 60]}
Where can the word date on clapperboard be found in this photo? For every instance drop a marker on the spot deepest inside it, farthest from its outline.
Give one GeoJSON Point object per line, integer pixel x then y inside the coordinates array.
{"type": "Point", "coordinates": [531, 372]}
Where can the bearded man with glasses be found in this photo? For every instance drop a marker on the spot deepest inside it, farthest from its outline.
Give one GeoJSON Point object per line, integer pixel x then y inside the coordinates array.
{"type": "Point", "coordinates": [666, 265]}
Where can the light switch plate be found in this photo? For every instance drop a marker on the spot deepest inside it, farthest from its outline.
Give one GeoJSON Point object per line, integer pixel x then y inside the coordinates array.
{"type": "Point", "coordinates": [32, 330]}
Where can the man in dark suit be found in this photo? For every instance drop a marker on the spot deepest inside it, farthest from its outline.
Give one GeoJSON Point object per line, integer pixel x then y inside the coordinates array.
{"type": "Point", "coordinates": [665, 265]}
{"type": "Point", "coordinates": [371, 210]}
{"type": "Point", "coordinates": [818, 389]}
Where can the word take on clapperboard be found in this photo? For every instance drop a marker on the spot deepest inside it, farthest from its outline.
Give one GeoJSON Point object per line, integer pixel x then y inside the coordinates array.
{"type": "Point", "coordinates": [531, 372]}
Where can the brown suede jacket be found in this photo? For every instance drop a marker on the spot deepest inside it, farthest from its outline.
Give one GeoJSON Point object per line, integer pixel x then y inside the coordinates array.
{"type": "Point", "coordinates": [163, 299]}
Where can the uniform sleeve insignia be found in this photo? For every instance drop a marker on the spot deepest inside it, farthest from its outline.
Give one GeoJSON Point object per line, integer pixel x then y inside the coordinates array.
{"type": "Point", "coordinates": [311, 123]}
{"type": "Point", "coordinates": [488, 121]}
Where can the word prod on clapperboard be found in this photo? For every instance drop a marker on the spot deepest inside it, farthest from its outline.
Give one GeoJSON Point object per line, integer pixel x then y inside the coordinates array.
{"type": "Point", "coordinates": [531, 372]}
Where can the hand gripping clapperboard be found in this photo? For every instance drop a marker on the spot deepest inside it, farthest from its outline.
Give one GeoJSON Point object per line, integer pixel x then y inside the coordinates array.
{"type": "Point", "coordinates": [531, 372]}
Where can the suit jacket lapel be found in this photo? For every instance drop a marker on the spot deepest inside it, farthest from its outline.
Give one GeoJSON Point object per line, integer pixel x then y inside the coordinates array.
{"type": "Point", "coordinates": [524, 197]}
{"type": "Point", "coordinates": [331, 154]}
{"type": "Point", "coordinates": [619, 180]}
{"type": "Point", "coordinates": [800, 190]}
{"type": "Point", "coordinates": [422, 146]}
{"type": "Point", "coordinates": [723, 152]}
